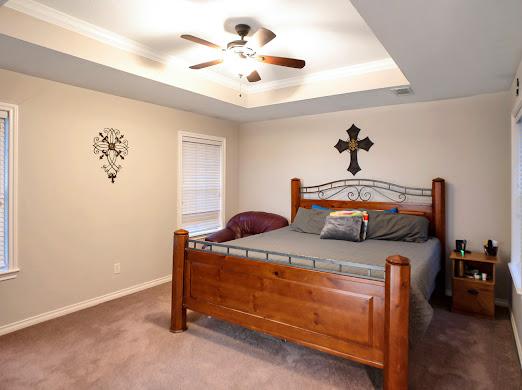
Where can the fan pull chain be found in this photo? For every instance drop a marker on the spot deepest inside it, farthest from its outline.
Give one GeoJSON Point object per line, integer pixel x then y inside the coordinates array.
{"type": "Point", "coordinates": [240, 86]}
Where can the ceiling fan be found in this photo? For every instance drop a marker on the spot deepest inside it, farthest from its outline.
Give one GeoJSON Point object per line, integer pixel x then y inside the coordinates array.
{"type": "Point", "coordinates": [241, 55]}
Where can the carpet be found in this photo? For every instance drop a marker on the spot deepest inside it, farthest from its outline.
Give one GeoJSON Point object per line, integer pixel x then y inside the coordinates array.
{"type": "Point", "coordinates": [126, 344]}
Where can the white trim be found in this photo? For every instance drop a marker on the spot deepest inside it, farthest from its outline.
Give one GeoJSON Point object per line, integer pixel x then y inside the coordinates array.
{"type": "Point", "coordinates": [10, 274]}
{"type": "Point", "coordinates": [327, 75]}
{"type": "Point", "coordinates": [517, 110]}
{"type": "Point", "coordinates": [498, 301]}
{"type": "Point", "coordinates": [516, 276]}
{"type": "Point", "coordinates": [14, 268]}
{"type": "Point", "coordinates": [71, 23]}
{"type": "Point", "coordinates": [223, 141]}
{"type": "Point", "coordinates": [89, 30]}
{"type": "Point", "coordinates": [81, 305]}
{"type": "Point", "coordinates": [516, 219]}
{"type": "Point", "coordinates": [79, 26]}
{"type": "Point", "coordinates": [517, 339]}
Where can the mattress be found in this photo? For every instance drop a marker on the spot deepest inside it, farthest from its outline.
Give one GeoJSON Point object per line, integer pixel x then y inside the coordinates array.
{"type": "Point", "coordinates": [424, 261]}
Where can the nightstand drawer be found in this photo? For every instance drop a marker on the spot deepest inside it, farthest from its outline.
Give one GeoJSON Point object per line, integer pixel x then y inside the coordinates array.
{"type": "Point", "coordinates": [474, 297]}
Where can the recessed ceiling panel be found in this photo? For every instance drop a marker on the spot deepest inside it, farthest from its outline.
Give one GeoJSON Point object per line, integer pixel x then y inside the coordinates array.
{"type": "Point", "coordinates": [327, 34]}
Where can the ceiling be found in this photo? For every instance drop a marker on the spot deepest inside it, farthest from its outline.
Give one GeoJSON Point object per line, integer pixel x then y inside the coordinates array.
{"type": "Point", "coordinates": [327, 34]}
{"type": "Point", "coordinates": [443, 49]}
{"type": "Point", "coordinates": [450, 48]}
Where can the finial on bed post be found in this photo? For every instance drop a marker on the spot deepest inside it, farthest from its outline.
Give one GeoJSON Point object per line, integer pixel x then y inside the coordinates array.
{"type": "Point", "coordinates": [438, 199]}
{"type": "Point", "coordinates": [396, 317]}
{"type": "Point", "coordinates": [178, 313]}
{"type": "Point", "coordinates": [295, 190]}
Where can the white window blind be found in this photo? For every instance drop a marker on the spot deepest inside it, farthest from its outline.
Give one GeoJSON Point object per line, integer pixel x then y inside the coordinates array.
{"type": "Point", "coordinates": [202, 184]}
{"type": "Point", "coordinates": [4, 179]}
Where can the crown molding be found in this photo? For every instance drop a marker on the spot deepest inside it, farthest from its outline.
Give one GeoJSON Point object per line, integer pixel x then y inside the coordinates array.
{"type": "Point", "coordinates": [53, 16]}
{"type": "Point", "coordinates": [61, 19]}
{"type": "Point", "coordinates": [326, 75]}
{"type": "Point", "coordinates": [50, 15]}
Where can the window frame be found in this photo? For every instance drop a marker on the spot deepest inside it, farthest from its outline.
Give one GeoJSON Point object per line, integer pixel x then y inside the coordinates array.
{"type": "Point", "coordinates": [515, 265]}
{"type": "Point", "coordinates": [179, 202]}
{"type": "Point", "coordinates": [12, 191]}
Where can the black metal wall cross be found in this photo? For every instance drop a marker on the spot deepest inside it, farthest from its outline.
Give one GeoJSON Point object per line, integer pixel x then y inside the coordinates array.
{"type": "Point", "coordinates": [353, 145]}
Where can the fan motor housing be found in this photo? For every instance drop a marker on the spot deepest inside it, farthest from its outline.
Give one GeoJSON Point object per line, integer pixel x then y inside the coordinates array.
{"type": "Point", "coordinates": [242, 30]}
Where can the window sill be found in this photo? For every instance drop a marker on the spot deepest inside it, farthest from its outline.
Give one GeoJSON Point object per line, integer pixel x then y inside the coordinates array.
{"type": "Point", "coordinates": [204, 234]}
{"type": "Point", "coordinates": [516, 274]}
{"type": "Point", "coordinates": [10, 274]}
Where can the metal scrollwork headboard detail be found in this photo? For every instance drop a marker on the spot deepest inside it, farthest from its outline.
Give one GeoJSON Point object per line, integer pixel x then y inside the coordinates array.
{"type": "Point", "coordinates": [365, 189]}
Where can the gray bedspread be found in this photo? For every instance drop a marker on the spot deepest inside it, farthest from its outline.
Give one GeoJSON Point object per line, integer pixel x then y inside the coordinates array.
{"type": "Point", "coordinates": [424, 259]}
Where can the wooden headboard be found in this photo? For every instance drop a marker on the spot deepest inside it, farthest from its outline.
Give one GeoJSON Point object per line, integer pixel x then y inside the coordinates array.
{"type": "Point", "coordinates": [359, 193]}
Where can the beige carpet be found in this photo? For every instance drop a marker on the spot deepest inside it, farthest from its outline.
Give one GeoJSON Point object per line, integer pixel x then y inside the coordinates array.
{"type": "Point", "coordinates": [125, 344]}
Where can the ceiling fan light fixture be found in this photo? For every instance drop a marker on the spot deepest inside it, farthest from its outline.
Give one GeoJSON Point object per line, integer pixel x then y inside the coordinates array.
{"type": "Point", "coordinates": [238, 63]}
{"type": "Point", "coordinates": [240, 56]}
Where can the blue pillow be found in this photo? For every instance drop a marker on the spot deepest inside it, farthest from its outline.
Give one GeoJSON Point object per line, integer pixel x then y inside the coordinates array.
{"type": "Point", "coordinates": [394, 210]}
{"type": "Point", "coordinates": [317, 207]}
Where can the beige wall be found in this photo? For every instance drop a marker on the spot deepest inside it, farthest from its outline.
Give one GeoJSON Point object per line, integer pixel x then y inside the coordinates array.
{"type": "Point", "coordinates": [465, 141]}
{"type": "Point", "coordinates": [73, 223]}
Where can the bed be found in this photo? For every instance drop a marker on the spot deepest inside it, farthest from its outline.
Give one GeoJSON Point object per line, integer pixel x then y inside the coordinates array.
{"type": "Point", "coordinates": [361, 301]}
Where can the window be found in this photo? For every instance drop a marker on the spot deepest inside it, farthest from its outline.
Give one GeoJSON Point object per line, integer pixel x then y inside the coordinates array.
{"type": "Point", "coordinates": [201, 194]}
{"type": "Point", "coordinates": [8, 266]}
{"type": "Point", "coordinates": [515, 265]}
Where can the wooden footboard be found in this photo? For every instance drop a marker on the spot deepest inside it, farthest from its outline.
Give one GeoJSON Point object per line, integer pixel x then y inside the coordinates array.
{"type": "Point", "coordinates": [356, 318]}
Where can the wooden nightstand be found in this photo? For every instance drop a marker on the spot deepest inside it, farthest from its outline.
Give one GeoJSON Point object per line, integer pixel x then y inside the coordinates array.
{"type": "Point", "coordinates": [473, 296]}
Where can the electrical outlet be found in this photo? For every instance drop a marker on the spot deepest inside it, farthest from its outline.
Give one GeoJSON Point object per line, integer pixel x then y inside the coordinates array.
{"type": "Point", "coordinates": [117, 268]}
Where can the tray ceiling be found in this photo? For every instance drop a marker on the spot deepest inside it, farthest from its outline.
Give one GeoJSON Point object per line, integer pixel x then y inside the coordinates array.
{"type": "Point", "coordinates": [327, 34]}
{"type": "Point", "coordinates": [353, 49]}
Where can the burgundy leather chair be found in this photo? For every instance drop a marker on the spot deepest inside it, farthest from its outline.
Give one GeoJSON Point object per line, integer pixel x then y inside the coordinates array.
{"type": "Point", "coordinates": [247, 224]}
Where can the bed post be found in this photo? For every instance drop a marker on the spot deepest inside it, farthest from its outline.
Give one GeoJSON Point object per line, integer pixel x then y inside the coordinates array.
{"type": "Point", "coordinates": [295, 190]}
{"type": "Point", "coordinates": [178, 313]}
{"type": "Point", "coordinates": [438, 198]}
{"type": "Point", "coordinates": [396, 317]}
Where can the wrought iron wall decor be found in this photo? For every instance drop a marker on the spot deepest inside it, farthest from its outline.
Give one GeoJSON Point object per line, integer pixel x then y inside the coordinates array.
{"type": "Point", "coordinates": [353, 144]}
{"type": "Point", "coordinates": [365, 189]}
{"type": "Point", "coordinates": [111, 145]}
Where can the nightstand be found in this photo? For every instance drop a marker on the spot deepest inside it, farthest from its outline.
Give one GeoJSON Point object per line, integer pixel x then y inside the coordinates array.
{"type": "Point", "coordinates": [472, 296]}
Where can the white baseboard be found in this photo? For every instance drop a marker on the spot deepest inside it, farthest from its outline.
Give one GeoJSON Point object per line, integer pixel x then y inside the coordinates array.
{"type": "Point", "coordinates": [81, 305]}
{"type": "Point", "coordinates": [517, 339]}
{"type": "Point", "coordinates": [498, 301]}
{"type": "Point", "coordinates": [501, 302]}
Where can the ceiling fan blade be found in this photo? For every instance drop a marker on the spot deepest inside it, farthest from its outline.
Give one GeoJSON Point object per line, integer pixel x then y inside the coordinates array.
{"type": "Point", "coordinates": [200, 41]}
{"type": "Point", "coordinates": [282, 61]}
{"type": "Point", "coordinates": [206, 64]}
{"type": "Point", "coordinates": [260, 38]}
{"type": "Point", "coordinates": [253, 77]}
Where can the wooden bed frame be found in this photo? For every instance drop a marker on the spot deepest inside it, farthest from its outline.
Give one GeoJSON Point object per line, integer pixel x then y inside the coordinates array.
{"type": "Point", "coordinates": [356, 318]}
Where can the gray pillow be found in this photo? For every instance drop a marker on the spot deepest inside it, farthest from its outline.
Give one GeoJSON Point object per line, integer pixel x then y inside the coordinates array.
{"type": "Point", "coordinates": [397, 227]}
{"type": "Point", "coordinates": [309, 220]}
{"type": "Point", "coordinates": [342, 228]}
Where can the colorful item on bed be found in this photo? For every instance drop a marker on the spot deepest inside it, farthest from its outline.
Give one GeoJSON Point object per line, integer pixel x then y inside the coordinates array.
{"type": "Point", "coordinates": [353, 213]}
{"type": "Point", "coordinates": [394, 210]}
{"type": "Point", "coordinates": [318, 207]}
